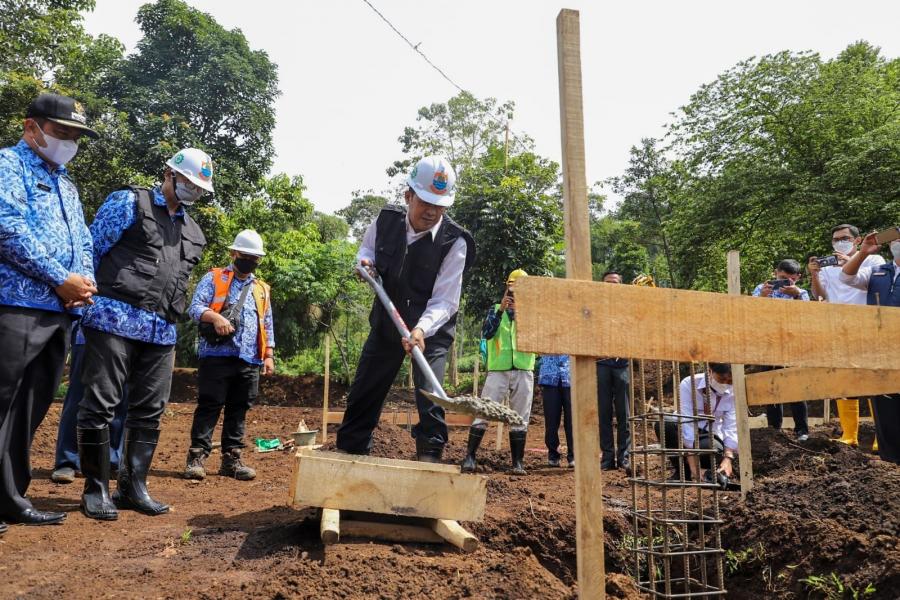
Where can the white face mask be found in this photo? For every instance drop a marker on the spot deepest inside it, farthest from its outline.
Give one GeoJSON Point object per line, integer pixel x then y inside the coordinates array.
{"type": "Point", "coordinates": [721, 388]}
{"type": "Point", "coordinates": [187, 195]}
{"type": "Point", "coordinates": [844, 247]}
{"type": "Point", "coordinates": [57, 151]}
{"type": "Point", "coordinates": [895, 249]}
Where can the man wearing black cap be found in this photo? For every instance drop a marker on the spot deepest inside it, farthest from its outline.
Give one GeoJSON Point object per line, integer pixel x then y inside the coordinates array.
{"type": "Point", "coordinates": [46, 266]}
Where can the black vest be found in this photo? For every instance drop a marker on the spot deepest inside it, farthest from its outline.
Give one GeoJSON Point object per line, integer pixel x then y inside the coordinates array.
{"type": "Point", "coordinates": [882, 289]}
{"type": "Point", "coordinates": [408, 273]}
{"type": "Point", "coordinates": [150, 265]}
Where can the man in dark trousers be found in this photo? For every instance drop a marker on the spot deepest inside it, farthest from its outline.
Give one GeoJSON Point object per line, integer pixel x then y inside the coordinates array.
{"type": "Point", "coordinates": [882, 285]}
{"type": "Point", "coordinates": [612, 394]}
{"type": "Point", "coordinates": [420, 255]}
{"type": "Point", "coordinates": [145, 247]}
{"type": "Point", "coordinates": [46, 272]}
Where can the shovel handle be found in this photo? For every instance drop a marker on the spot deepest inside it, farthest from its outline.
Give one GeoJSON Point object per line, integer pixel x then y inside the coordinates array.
{"type": "Point", "coordinates": [403, 329]}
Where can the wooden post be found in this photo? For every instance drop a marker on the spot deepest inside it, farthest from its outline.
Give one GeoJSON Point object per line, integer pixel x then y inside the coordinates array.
{"type": "Point", "coordinates": [826, 411]}
{"type": "Point", "coordinates": [740, 388]}
{"type": "Point", "coordinates": [330, 526]}
{"type": "Point", "coordinates": [411, 382]}
{"type": "Point", "coordinates": [588, 482]}
{"type": "Point", "coordinates": [499, 445]}
{"type": "Point", "coordinates": [325, 385]}
{"type": "Point", "coordinates": [454, 366]}
{"type": "Point", "coordinates": [476, 376]}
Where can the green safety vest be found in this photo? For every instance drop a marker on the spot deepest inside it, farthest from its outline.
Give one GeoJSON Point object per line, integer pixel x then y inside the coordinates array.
{"type": "Point", "coordinates": [501, 349]}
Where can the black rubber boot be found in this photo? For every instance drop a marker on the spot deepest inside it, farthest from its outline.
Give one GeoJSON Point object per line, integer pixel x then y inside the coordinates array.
{"type": "Point", "coordinates": [93, 453]}
{"type": "Point", "coordinates": [140, 444]}
{"type": "Point", "coordinates": [428, 452]}
{"type": "Point", "coordinates": [476, 434]}
{"type": "Point", "coordinates": [517, 449]}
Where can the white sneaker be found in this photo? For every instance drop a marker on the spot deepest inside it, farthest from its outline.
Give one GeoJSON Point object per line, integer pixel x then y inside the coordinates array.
{"type": "Point", "coordinates": [802, 437]}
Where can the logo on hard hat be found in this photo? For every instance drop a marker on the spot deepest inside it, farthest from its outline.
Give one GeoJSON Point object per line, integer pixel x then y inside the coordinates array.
{"type": "Point", "coordinates": [179, 158]}
{"type": "Point", "coordinates": [205, 170]}
{"type": "Point", "coordinates": [78, 114]}
{"type": "Point", "coordinates": [439, 183]}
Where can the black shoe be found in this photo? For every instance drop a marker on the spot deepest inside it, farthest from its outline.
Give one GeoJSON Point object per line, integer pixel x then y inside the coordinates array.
{"type": "Point", "coordinates": [427, 451]}
{"type": "Point", "coordinates": [517, 450]}
{"type": "Point", "coordinates": [30, 516]}
{"type": "Point", "coordinates": [3, 528]}
{"type": "Point", "coordinates": [476, 434]}
{"type": "Point", "coordinates": [553, 462]}
{"type": "Point", "coordinates": [140, 445]}
{"type": "Point", "coordinates": [610, 466]}
{"type": "Point", "coordinates": [93, 453]}
{"type": "Point", "coordinates": [233, 466]}
{"type": "Point", "coordinates": [625, 463]}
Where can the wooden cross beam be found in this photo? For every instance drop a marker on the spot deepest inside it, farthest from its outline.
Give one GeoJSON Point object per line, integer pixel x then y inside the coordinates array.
{"type": "Point", "coordinates": [799, 384]}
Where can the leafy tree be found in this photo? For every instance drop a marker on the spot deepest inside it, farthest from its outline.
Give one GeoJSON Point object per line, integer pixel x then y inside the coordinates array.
{"type": "Point", "coordinates": [331, 228]}
{"type": "Point", "coordinates": [361, 211]}
{"type": "Point", "coordinates": [616, 246]}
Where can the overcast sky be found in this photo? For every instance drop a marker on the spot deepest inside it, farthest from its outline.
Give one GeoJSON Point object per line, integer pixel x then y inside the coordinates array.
{"type": "Point", "coordinates": [349, 84]}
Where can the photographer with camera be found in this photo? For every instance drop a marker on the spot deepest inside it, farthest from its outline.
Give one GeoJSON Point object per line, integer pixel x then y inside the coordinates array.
{"type": "Point", "coordinates": [784, 287]}
{"type": "Point", "coordinates": [827, 284]}
{"type": "Point", "coordinates": [233, 309]}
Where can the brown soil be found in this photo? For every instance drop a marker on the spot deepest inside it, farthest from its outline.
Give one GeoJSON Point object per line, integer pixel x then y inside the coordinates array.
{"type": "Point", "coordinates": [824, 508]}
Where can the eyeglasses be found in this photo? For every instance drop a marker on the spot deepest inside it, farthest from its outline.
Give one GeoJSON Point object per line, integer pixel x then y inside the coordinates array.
{"type": "Point", "coordinates": [846, 238]}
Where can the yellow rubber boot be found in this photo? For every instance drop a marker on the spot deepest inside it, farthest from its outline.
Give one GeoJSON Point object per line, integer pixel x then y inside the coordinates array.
{"type": "Point", "coordinates": [848, 413]}
{"type": "Point", "coordinates": [875, 441]}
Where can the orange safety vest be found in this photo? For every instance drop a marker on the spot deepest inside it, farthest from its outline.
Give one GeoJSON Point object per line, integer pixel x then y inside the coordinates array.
{"type": "Point", "coordinates": [222, 279]}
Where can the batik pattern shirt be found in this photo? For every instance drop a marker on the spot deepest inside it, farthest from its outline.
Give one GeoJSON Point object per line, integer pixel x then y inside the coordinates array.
{"type": "Point", "coordinates": [43, 237]}
{"type": "Point", "coordinates": [245, 342]}
{"type": "Point", "coordinates": [116, 215]}
{"type": "Point", "coordinates": [555, 370]}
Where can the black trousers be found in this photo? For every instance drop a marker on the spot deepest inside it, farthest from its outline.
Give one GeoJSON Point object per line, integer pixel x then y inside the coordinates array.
{"type": "Point", "coordinates": [35, 343]}
{"type": "Point", "coordinates": [775, 416]}
{"type": "Point", "coordinates": [224, 382]}
{"type": "Point", "coordinates": [887, 426]}
{"type": "Point", "coordinates": [111, 361]}
{"type": "Point", "coordinates": [557, 403]}
{"type": "Point", "coordinates": [382, 356]}
{"type": "Point", "coordinates": [707, 441]}
{"type": "Point", "coordinates": [612, 394]}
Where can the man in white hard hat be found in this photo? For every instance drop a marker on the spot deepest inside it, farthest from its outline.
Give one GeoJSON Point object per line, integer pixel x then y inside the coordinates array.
{"type": "Point", "coordinates": [234, 312]}
{"type": "Point", "coordinates": [420, 255]}
{"type": "Point", "coordinates": [145, 247]}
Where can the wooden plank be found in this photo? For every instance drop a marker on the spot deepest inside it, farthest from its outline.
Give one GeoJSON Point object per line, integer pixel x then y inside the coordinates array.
{"type": "Point", "coordinates": [685, 325]}
{"type": "Point", "coordinates": [330, 526]}
{"type": "Point", "coordinates": [745, 459]}
{"type": "Point", "coordinates": [325, 386]}
{"type": "Point", "coordinates": [588, 482]}
{"type": "Point", "coordinates": [382, 485]}
{"type": "Point", "coordinates": [404, 418]}
{"type": "Point", "coordinates": [797, 384]}
{"type": "Point", "coordinates": [454, 533]}
{"type": "Point", "coordinates": [475, 377]}
{"type": "Point", "coordinates": [390, 532]}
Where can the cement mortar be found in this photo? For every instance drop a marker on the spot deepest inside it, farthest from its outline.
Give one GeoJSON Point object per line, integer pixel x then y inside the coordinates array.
{"type": "Point", "coordinates": [479, 407]}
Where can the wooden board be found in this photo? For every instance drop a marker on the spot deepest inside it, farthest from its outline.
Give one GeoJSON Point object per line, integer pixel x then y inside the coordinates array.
{"type": "Point", "coordinates": [796, 384]}
{"type": "Point", "coordinates": [406, 418]}
{"type": "Point", "coordinates": [390, 532]}
{"type": "Point", "coordinates": [557, 316]}
{"type": "Point", "coordinates": [383, 485]}
{"type": "Point", "coordinates": [745, 461]}
{"type": "Point", "coordinates": [588, 481]}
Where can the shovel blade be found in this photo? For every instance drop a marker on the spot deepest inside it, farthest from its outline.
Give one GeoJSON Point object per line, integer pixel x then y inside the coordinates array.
{"type": "Point", "coordinates": [483, 408]}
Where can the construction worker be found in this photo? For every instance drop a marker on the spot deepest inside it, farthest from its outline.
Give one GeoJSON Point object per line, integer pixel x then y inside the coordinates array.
{"type": "Point", "coordinates": [47, 273]}
{"type": "Point", "coordinates": [145, 247]}
{"type": "Point", "coordinates": [882, 289]}
{"type": "Point", "coordinates": [234, 312]}
{"type": "Point", "coordinates": [509, 372]}
{"type": "Point", "coordinates": [827, 284]}
{"type": "Point", "coordinates": [420, 255]}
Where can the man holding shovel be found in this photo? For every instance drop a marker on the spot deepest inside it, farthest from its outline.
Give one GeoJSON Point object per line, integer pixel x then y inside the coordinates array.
{"type": "Point", "coordinates": [420, 255]}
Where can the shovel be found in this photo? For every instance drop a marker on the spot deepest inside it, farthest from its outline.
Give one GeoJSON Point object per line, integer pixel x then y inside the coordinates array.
{"type": "Point", "coordinates": [471, 405]}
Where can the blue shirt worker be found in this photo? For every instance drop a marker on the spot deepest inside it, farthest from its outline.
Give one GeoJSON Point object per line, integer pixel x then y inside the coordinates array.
{"type": "Point", "coordinates": [882, 285]}
{"type": "Point", "coordinates": [145, 247]}
{"type": "Point", "coordinates": [784, 287]}
{"type": "Point", "coordinates": [47, 273]}
{"type": "Point", "coordinates": [556, 391]}
{"type": "Point", "coordinates": [233, 309]}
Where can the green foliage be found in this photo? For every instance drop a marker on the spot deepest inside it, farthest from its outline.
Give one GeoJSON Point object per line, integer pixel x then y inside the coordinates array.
{"type": "Point", "coordinates": [514, 213]}
{"type": "Point", "coordinates": [832, 587]}
{"type": "Point", "coordinates": [735, 561]}
{"type": "Point", "coordinates": [616, 245]}
{"type": "Point", "coordinates": [361, 212]}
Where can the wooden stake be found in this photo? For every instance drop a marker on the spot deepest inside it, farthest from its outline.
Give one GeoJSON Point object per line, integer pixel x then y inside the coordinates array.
{"type": "Point", "coordinates": [411, 382]}
{"type": "Point", "coordinates": [330, 527]}
{"type": "Point", "coordinates": [499, 445]}
{"type": "Point", "coordinates": [325, 386]}
{"type": "Point", "coordinates": [740, 388]}
{"type": "Point", "coordinates": [588, 482]}
{"type": "Point", "coordinates": [454, 366]}
{"type": "Point", "coordinates": [475, 377]}
{"type": "Point", "coordinates": [453, 532]}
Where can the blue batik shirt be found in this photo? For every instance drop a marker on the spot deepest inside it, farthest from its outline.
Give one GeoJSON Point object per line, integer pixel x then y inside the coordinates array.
{"type": "Point", "coordinates": [555, 370]}
{"type": "Point", "coordinates": [43, 237]}
{"type": "Point", "coordinates": [245, 343]}
{"type": "Point", "coordinates": [116, 215]}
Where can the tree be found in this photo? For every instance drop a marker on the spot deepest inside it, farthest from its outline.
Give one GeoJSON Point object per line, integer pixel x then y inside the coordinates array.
{"type": "Point", "coordinates": [361, 211]}
{"type": "Point", "coordinates": [515, 216]}
{"type": "Point", "coordinates": [190, 82]}
{"type": "Point", "coordinates": [616, 246]}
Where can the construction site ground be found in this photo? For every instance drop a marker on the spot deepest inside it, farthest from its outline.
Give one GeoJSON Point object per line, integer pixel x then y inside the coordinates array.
{"type": "Point", "coordinates": [819, 508]}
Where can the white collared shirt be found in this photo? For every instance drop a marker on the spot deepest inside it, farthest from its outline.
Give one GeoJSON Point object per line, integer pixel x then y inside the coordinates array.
{"type": "Point", "coordinates": [860, 281]}
{"type": "Point", "coordinates": [722, 406]}
{"type": "Point", "coordinates": [838, 287]}
{"type": "Point", "coordinates": [444, 301]}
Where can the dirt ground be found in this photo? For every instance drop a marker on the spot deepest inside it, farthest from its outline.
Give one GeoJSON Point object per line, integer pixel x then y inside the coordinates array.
{"type": "Point", "coordinates": [819, 508]}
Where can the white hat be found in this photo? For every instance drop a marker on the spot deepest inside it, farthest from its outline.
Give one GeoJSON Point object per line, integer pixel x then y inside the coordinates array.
{"type": "Point", "coordinates": [248, 242]}
{"type": "Point", "coordinates": [433, 180]}
{"type": "Point", "coordinates": [194, 164]}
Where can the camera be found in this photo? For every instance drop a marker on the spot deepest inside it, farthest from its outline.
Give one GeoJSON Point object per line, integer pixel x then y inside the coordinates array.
{"type": "Point", "coordinates": [827, 261]}
{"type": "Point", "coordinates": [780, 283]}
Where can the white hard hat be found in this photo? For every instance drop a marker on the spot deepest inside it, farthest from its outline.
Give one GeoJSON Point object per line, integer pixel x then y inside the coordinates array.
{"type": "Point", "coordinates": [248, 242]}
{"type": "Point", "coordinates": [433, 180]}
{"type": "Point", "coordinates": [194, 164]}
